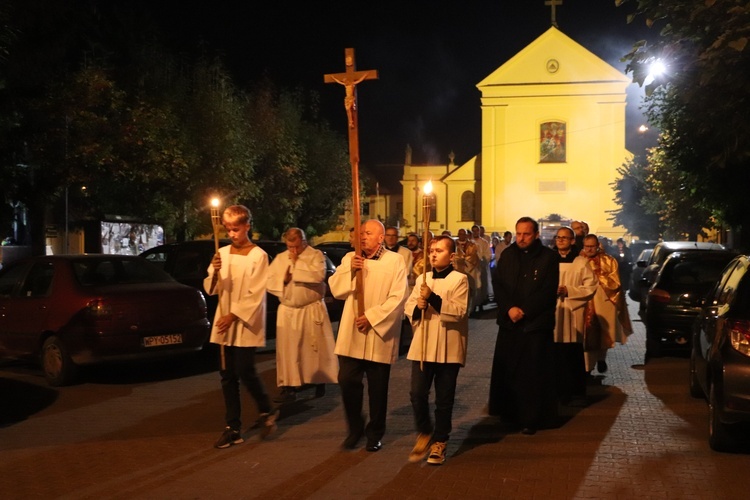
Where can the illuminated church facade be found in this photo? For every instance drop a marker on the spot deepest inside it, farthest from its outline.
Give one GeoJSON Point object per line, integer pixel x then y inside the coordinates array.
{"type": "Point", "coordinates": [553, 138]}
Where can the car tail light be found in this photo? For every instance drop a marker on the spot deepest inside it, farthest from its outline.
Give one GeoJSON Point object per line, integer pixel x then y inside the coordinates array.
{"type": "Point", "coordinates": [658, 295]}
{"type": "Point", "coordinates": [99, 309]}
{"type": "Point", "coordinates": [739, 334]}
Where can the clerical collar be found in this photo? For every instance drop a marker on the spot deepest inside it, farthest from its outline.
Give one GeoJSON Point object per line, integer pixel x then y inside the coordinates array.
{"type": "Point", "coordinates": [436, 275]}
{"type": "Point", "coordinates": [376, 255]}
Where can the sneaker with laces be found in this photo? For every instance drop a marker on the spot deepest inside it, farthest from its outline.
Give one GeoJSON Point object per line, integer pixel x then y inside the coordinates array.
{"type": "Point", "coordinates": [228, 438]}
{"type": "Point", "coordinates": [421, 447]}
{"type": "Point", "coordinates": [437, 453]}
{"type": "Point", "coordinates": [268, 423]}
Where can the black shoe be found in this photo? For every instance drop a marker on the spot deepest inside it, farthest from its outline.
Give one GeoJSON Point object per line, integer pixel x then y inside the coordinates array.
{"type": "Point", "coordinates": [374, 445]}
{"type": "Point", "coordinates": [529, 431]}
{"type": "Point", "coordinates": [228, 438]}
{"type": "Point", "coordinates": [287, 395]}
{"type": "Point", "coordinates": [320, 390]}
{"type": "Point", "coordinates": [601, 366]}
{"type": "Point", "coordinates": [352, 440]}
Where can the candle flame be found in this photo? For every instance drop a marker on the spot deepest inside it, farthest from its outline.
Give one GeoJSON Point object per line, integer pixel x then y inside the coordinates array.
{"type": "Point", "coordinates": [428, 187]}
{"type": "Point", "coordinates": [215, 202]}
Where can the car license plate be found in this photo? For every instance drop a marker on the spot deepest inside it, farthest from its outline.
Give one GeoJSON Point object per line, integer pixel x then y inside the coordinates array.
{"type": "Point", "coordinates": [158, 340]}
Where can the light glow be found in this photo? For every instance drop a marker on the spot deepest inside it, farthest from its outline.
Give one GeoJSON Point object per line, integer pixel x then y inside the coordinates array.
{"type": "Point", "coordinates": [428, 187]}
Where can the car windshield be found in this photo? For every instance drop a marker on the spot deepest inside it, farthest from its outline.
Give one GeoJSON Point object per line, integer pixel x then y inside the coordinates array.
{"type": "Point", "coordinates": [117, 271]}
{"type": "Point", "coordinates": [697, 272]}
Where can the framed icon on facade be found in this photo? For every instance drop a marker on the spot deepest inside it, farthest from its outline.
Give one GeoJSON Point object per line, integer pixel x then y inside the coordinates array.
{"type": "Point", "coordinates": [552, 142]}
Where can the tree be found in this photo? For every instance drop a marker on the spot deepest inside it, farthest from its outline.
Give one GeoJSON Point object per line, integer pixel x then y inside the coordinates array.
{"type": "Point", "coordinates": [153, 135]}
{"type": "Point", "coordinates": [702, 101]}
{"type": "Point", "coordinates": [632, 191]}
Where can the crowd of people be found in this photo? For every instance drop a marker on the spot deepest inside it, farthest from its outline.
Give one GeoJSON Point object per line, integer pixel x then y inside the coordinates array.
{"type": "Point", "coordinates": [560, 308]}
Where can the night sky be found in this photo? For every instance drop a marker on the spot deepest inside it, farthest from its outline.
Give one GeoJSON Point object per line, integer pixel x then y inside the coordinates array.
{"type": "Point", "coordinates": [429, 55]}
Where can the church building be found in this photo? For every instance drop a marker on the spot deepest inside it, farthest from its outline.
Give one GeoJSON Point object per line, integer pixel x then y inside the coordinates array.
{"type": "Point", "coordinates": [553, 137]}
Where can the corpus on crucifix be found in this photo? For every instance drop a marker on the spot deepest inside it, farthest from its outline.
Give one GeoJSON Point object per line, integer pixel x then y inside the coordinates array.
{"type": "Point", "coordinates": [350, 79]}
{"type": "Point", "coordinates": [553, 4]}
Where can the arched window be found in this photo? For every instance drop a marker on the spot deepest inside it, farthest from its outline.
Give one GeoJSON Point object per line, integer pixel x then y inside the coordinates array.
{"type": "Point", "coordinates": [467, 206]}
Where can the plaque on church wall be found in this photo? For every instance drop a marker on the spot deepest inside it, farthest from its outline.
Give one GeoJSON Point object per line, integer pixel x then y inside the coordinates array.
{"type": "Point", "coordinates": [552, 186]}
{"type": "Point", "coordinates": [552, 142]}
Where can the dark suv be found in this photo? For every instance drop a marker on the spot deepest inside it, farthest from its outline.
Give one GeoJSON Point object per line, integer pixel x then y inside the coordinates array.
{"type": "Point", "coordinates": [658, 256]}
{"type": "Point", "coordinates": [187, 263]}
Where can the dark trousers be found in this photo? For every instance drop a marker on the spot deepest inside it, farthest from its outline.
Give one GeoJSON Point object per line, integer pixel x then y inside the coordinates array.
{"type": "Point", "coordinates": [522, 387]}
{"type": "Point", "coordinates": [240, 366]}
{"type": "Point", "coordinates": [351, 374]}
{"type": "Point", "coordinates": [570, 371]}
{"type": "Point", "coordinates": [445, 376]}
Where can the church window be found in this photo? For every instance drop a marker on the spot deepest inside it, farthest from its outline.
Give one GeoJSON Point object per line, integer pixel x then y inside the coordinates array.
{"type": "Point", "coordinates": [552, 142]}
{"type": "Point", "coordinates": [467, 206]}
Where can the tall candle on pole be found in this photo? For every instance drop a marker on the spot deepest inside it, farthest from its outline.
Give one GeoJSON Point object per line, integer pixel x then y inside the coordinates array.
{"type": "Point", "coordinates": [428, 200]}
{"type": "Point", "coordinates": [216, 223]}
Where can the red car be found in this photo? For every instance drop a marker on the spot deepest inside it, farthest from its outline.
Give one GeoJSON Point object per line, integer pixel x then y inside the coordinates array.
{"type": "Point", "coordinates": [73, 310]}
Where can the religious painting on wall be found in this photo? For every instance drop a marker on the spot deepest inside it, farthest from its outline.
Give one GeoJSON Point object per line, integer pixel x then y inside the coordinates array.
{"type": "Point", "coordinates": [552, 139]}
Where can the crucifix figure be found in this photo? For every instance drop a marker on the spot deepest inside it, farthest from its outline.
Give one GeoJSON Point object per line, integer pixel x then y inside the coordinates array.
{"type": "Point", "coordinates": [553, 4]}
{"type": "Point", "coordinates": [349, 79]}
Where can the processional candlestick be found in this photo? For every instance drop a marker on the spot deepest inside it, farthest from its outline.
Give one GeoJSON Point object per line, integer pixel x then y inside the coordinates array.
{"type": "Point", "coordinates": [217, 226]}
{"type": "Point", "coordinates": [428, 200]}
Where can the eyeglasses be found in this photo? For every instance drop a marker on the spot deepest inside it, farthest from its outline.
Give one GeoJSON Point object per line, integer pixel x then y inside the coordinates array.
{"type": "Point", "coordinates": [394, 235]}
{"type": "Point", "coordinates": [563, 237]}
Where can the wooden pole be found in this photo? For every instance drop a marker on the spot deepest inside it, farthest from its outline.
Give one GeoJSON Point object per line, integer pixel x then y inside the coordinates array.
{"type": "Point", "coordinates": [216, 223]}
{"type": "Point", "coordinates": [349, 80]}
{"type": "Point", "coordinates": [426, 215]}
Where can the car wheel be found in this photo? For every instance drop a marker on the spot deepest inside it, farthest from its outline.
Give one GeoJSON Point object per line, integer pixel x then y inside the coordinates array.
{"type": "Point", "coordinates": [719, 436]}
{"type": "Point", "coordinates": [696, 390]}
{"type": "Point", "coordinates": [57, 365]}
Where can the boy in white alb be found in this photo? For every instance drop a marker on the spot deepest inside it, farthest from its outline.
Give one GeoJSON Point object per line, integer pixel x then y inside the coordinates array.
{"type": "Point", "coordinates": [438, 309]}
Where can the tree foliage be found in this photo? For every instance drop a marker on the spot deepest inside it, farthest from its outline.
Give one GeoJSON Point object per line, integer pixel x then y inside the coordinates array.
{"type": "Point", "coordinates": [633, 194]}
{"type": "Point", "coordinates": [96, 101]}
{"type": "Point", "coordinates": [702, 101]}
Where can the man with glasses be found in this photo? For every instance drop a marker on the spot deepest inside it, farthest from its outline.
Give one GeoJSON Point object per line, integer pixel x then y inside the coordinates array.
{"type": "Point", "coordinates": [580, 228]}
{"type": "Point", "coordinates": [606, 318]}
{"type": "Point", "coordinates": [577, 286]}
{"type": "Point", "coordinates": [391, 243]}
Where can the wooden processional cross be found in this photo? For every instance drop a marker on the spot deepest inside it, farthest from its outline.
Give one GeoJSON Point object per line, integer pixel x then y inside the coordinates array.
{"type": "Point", "coordinates": [553, 4]}
{"type": "Point", "coordinates": [349, 79]}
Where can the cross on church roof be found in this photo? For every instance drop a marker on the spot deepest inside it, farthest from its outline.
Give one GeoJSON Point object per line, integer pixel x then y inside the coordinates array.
{"type": "Point", "coordinates": [553, 4]}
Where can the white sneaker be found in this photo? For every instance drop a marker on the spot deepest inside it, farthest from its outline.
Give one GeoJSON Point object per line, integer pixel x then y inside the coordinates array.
{"type": "Point", "coordinates": [437, 453]}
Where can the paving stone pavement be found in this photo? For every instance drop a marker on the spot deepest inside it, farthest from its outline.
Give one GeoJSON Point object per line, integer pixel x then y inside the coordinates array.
{"type": "Point", "coordinates": [639, 435]}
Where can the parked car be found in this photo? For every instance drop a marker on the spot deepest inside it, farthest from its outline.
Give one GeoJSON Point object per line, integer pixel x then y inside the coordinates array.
{"type": "Point", "coordinates": [657, 258]}
{"type": "Point", "coordinates": [634, 291]}
{"type": "Point", "coordinates": [720, 356]}
{"type": "Point", "coordinates": [673, 301]}
{"type": "Point", "coordinates": [187, 262]}
{"type": "Point", "coordinates": [73, 310]}
{"type": "Point", "coordinates": [335, 250]}
{"type": "Point", "coordinates": [638, 246]}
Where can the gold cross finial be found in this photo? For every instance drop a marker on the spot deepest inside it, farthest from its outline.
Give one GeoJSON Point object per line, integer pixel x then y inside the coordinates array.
{"type": "Point", "coordinates": [553, 4]}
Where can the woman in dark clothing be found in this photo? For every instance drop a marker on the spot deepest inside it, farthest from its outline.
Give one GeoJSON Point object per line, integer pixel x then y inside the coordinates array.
{"type": "Point", "coordinates": [624, 262]}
